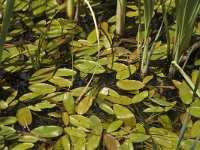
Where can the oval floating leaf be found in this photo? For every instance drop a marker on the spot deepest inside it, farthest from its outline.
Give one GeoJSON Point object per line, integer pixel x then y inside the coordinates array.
{"type": "Point", "coordinates": [62, 82]}
{"type": "Point", "coordinates": [64, 72]}
{"type": "Point", "coordinates": [106, 108]}
{"type": "Point", "coordinates": [4, 130]}
{"type": "Point", "coordinates": [42, 75]}
{"type": "Point", "coordinates": [47, 131]}
{"type": "Point", "coordinates": [140, 97]}
{"type": "Point", "coordinates": [71, 131]}
{"type": "Point", "coordinates": [24, 116]}
{"type": "Point", "coordinates": [185, 93]}
{"type": "Point", "coordinates": [93, 141]}
{"type": "Point", "coordinates": [194, 111]}
{"type": "Point", "coordinates": [27, 139]}
{"type": "Point", "coordinates": [96, 125]}
{"type": "Point", "coordinates": [110, 142]}
{"type": "Point", "coordinates": [80, 121]}
{"type": "Point", "coordinates": [23, 146]}
{"type": "Point", "coordinates": [114, 126]}
{"type": "Point", "coordinates": [68, 102]}
{"type": "Point", "coordinates": [84, 104]}
{"type": "Point", "coordinates": [138, 137]}
{"type": "Point", "coordinates": [195, 129]}
{"type": "Point", "coordinates": [7, 120]}
{"type": "Point", "coordinates": [124, 114]}
{"type": "Point", "coordinates": [88, 66]}
{"type": "Point", "coordinates": [130, 85]}
{"type": "Point", "coordinates": [42, 88]}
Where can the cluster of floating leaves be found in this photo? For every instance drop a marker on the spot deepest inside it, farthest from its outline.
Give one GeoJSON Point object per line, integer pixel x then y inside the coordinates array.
{"type": "Point", "coordinates": [129, 113]}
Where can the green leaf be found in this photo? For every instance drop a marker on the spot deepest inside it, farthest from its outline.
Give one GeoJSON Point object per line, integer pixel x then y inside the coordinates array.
{"type": "Point", "coordinates": [194, 111]}
{"type": "Point", "coordinates": [154, 109]}
{"type": "Point", "coordinates": [7, 120]}
{"type": "Point", "coordinates": [124, 114]}
{"type": "Point", "coordinates": [147, 79]}
{"type": "Point", "coordinates": [80, 121]}
{"type": "Point", "coordinates": [38, 7]}
{"type": "Point", "coordinates": [117, 66]}
{"type": "Point", "coordinates": [68, 103]}
{"type": "Point", "coordinates": [88, 66]}
{"type": "Point", "coordinates": [23, 146]}
{"type": "Point", "coordinates": [106, 108]}
{"type": "Point", "coordinates": [130, 85]}
{"type": "Point", "coordinates": [11, 97]}
{"type": "Point", "coordinates": [114, 126]}
{"type": "Point", "coordinates": [138, 137]}
{"type": "Point", "coordinates": [27, 139]}
{"type": "Point", "coordinates": [140, 97]}
{"type": "Point", "coordinates": [110, 142]}
{"type": "Point", "coordinates": [195, 129]}
{"type": "Point", "coordinates": [24, 116]}
{"type": "Point", "coordinates": [64, 72]}
{"type": "Point", "coordinates": [42, 88]}
{"type": "Point", "coordinates": [42, 75]}
{"type": "Point", "coordinates": [80, 144]}
{"type": "Point", "coordinates": [85, 104]}
{"type": "Point", "coordinates": [93, 141]}
{"type": "Point", "coordinates": [47, 131]}
{"type": "Point", "coordinates": [4, 130]}
{"type": "Point", "coordinates": [123, 100]}
{"type": "Point", "coordinates": [96, 125]}
{"type": "Point", "coordinates": [55, 29]}
{"type": "Point", "coordinates": [124, 74]}
{"type": "Point", "coordinates": [185, 93]}
{"type": "Point", "coordinates": [71, 131]}
{"type": "Point", "coordinates": [62, 82]}
{"type": "Point", "coordinates": [161, 101]}
{"type": "Point", "coordinates": [127, 145]}
{"type": "Point", "coordinates": [65, 142]}
{"type": "Point", "coordinates": [92, 37]}
{"type": "Point", "coordinates": [30, 97]}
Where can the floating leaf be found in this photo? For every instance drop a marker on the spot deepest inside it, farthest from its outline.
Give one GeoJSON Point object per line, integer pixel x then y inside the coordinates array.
{"type": "Point", "coordinates": [24, 116]}
{"type": "Point", "coordinates": [7, 120]}
{"type": "Point", "coordinates": [4, 130]}
{"type": "Point", "coordinates": [55, 29]}
{"type": "Point", "coordinates": [96, 125]}
{"type": "Point", "coordinates": [65, 118]}
{"type": "Point", "coordinates": [30, 97]}
{"type": "Point", "coordinates": [194, 111]}
{"type": "Point", "coordinates": [80, 144]}
{"type": "Point", "coordinates": [79, 90]}
{"type": "Point", "coordinates": [68, 102]}
{"type": "Point", "coordinates": [93, 141]}
{"type": "Point", "coordinates": [88, 66]}
{"type": "Point", "coordinates": [154, 109]}
{"type": "Point", "coordinates": [64, 72]}
{"type": "Point", "coordinates": [92, 37]}
{"type": "Point", "coordinates": [11, 97]}
{"type": "Point", "coordinates": [38, 7]}
{"type": "Point", "coordinates": [147, 79]}
{"type": "Point", "coordinates": [85, 104]}
{"type": "Point", "coordinates": [114, 126]}
{"type": "Point", "coordinates": [106, 108]}
{"type": "Point", "coordinates": [124, 114]}
{"type": "Point", "coordinates": [117, 66]}
{"type": "Point", "coordinates": [42, 88]}
{"type": "Point", "coordinates": [195, 129]}
{"type": "Point", "coordinates": [140, 97]}
{"type": "Point", "coordinates": [23, 146]}
{"type": "Point", "coordinates": [127, 144]}
{"type": "Point", "coordinates": [62, 82]}
{"type": "Point", "coordinates": [42, 75]}
{"type": "Point", "coordinates": [185, 93]}
{"type": "Point", "coordinates": [124, 74]}
{"type": "Point", "coordinates": [47, 131]}
{"type": "Point", "coordinates": [27, 139]}
{"type": "Point", "coordinates": [138, 137]}
{"type": "Point", "coordinates": [80, 121]}
{"type": "Point", "coordinates": [123, 100]}
{"type": "Point", "coordinates": [130, 85]}
{"type": "Point", "coordinates": [71, 131]}
{"type": "Point", "coordinates": [165, 121]}
{"type": "Point", "coordinates": [110, 142]}
{"type": "Point", "coordinates": [65, 142]}
{"type": "Point", "coordinates": [45, 105]}
{"type": "Point", "coordinates": [161, 101]}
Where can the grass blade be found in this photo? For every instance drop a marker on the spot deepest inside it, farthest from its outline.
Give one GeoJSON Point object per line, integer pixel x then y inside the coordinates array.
{"type": "Point", "coordinates": [5, 25]}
